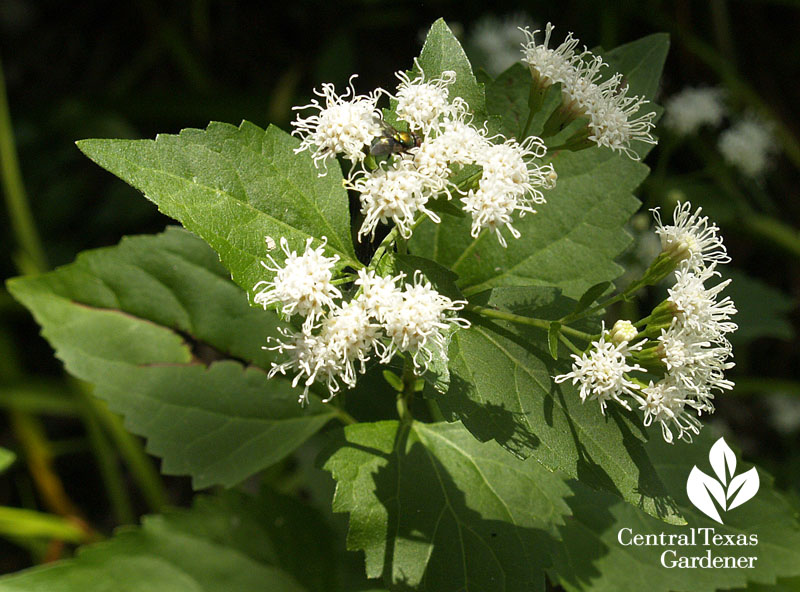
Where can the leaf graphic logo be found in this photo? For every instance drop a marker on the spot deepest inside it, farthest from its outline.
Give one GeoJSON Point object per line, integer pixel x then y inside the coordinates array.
{"type": "Point", "coordinates": [728, 490]}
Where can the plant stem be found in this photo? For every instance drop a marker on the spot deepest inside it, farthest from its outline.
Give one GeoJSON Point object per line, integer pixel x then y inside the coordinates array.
{"type": "Point", "coordinates": [405, 397]}
{"type": "Point", "coordinates": [522, 320]}
{"type": "Point", "coordinates": [142, 470]}
{"type": "Point", "coordinates": [345, 417]}
{"type": "Point", "coordinates": [109, 470]}
{"type": "Point", "coordinates": [571, 346]}
{"type": "Point", "coordinates": [30, 258]}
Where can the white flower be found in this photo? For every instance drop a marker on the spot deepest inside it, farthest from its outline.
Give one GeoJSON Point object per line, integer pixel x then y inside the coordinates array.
{"type": "Point", "coordinates": [691, 237]}
{"type": "Point", "coordinates": [311, 357]}
{"type": "Point", "coordinates": [498, 40]}
{"type": "Point", "coordinates": [379, 294]}
{"type": "Point", "coordinates": [695, 362]}
{"type": "Point", "coordinates": [510, 182]}
{"type": "Point", "coordinates": [343, 126]}
{"type": "Point", "coordinates": [421, 104]}
{"type": "Point", "coordinates": [550, 65]}
{"type": "Point", "coordinates": [460, 142]}
{"type": "Point", "coordinates": [492, 206]}
{"type": "Point", "coordinates": [692, 108]}
{"type": "Point", "coordinates": [302, 285]}
{"type": "Point", "coordinates": [696, 307]}
{"type": "Point", "coordinates": [748, 146]}
{"type": "Point", "coordinates": [396, 193]}
{"type": "Point", "coordinates": [602, 371]}
{"type": "Point", "coordinates": [418, 323]}
{"type": "Point", "coordinates": [611, 112]}
{"type": "Point", "coordinates": [613, 124]}
{"type": "Point", "coordinates": [622, 332]}
{"type": "Point", "coordinates": [350, 335]}
{"type": "Point", "coordinates": [664, 402]}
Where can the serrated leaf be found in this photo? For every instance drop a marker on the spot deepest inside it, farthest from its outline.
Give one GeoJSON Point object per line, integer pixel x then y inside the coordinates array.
{"type": "Point", "coordinates": [442, 52]}
{"type": "Point", "coordinates": [120, 318]}
{"type": "Point", "coordinates": [571, 242]}
{"type": "Point", "coordinates": [592, 558]}
{"type": "Point", "coordinates": [233, 187]}
{"type": "Point", "coordinates": [222, 544]}
{"type": "Point", "coordinates": [433, 509]}
{"type": "Point", "coordinates": [501, 387]}
{"type": "Point", "coordinates": [7, 458]}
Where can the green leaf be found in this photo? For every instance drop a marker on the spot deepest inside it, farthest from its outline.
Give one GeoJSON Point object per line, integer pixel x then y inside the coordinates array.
{"type": "Point", "coordinates": [155, 324]}
{"type": "Point", "coordinates": [226, 544]}
{"type": "Point", "coordinates": [508, 98]}
{"type": "Point", "coordinates": [7, 459]}
{"type": "Point", "coordinates": [571, 242]}
{"type": "Point", "coordinates": [641, 62]}
{"type": "Point", "coordinates": [442, 52]}
{"type": "Point", "coordinates": [233, 187]}
{"type": "Point", "coordinates": [590, 296]}
{"type": "Point", "coordinates": [552, 339]}
{"type": "Point", "coordinates": [501, 387]}
{"type": "Point", "coordinates": [763, 310]}
{"type": "Point", "coordinates": [433, 509]}
{"type": "Point", "coordinates": [591, 557]}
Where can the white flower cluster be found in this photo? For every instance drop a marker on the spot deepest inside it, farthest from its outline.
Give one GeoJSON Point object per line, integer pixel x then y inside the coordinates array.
{"type": "Point", "coordinates": [339, 337]}
{"type": "Point", "coordinates": [748, 145]}
{"type": "Point", "coordinates": [611, 112]}
{"type": "Point", "coordinates": [692, 349]}
{"type": "Point", "coordinates": [694, 107]}
{"type": "Point", "coordinates": [444, 140]}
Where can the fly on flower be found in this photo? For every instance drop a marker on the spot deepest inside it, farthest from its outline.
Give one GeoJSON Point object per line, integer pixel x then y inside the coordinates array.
{"type": "Point", "coordinates": [392, 141]}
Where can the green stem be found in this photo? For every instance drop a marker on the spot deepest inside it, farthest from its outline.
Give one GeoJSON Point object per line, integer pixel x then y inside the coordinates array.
{"type": "Point", "coordinates": [132, 451]}
{"type": "Point", "coordinates": [109, 469]}
{"type": "Point", "coordinates": [405, 397]}
{"type": "Point", "coordinates": [571, 346]}
{"type": "Point", "coordinates": [530, 321]}
{"type": "Point", "coordinates": [31, 258]}
{"type": "Point", "coordinates": [774, 231]}
{"type": "Point", "coordinates": [344, 416]}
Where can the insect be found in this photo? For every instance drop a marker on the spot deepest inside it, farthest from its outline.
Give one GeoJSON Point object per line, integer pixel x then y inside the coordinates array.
{"type": "Point", "coordinates": [392, 141]}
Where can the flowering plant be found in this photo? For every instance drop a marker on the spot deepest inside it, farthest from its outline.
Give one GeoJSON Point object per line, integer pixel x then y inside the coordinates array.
{"type": "Point", "coordinates": [424, 275]}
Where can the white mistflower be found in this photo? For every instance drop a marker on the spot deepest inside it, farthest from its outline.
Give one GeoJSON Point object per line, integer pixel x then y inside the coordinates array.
{"type": "Point", "coordinates": [611, 112]}
{"type": "Point", "coordinates": [622, 332]}
{"type": "Point", "coordinates": [312, 359]}
{"type": "Point", "coordinates": [418, 323]}
{"type": "Point", "coordinates": [492, 206]}
{"type": "Point", "coordinates": [343, 125]}
{"type": "Point", "coordinates": [664, 402]}
{"type": "Point", "coordinates": [602, 372]}
{"type": "Point", "coordinates": [379, 294]}
{"type": "Point", "coordinates": [460, 142]}
{"type": "Point", "coordinates": [550, 65]}
{"type": "Point", "coordinates": [302, 284]}
{"type": "Point", "coordinates": [421, 104]}
{"type": "Point", "coordinates": [694, 361]}
{"type": "Point", "coordinates": [511, 182]}
{"type": "Point", "coordinates": [691, 237]}
{"type": "Point", "coordinates": [396, 194]}
{"type": "Point", "coordinates": [498, 40]}
{"type": "Point", "coordinates": [349, 333]}
{"type": "Point", "coordinates": [692, 108]}
{"type": "Point", "coordinates": [613, 122]}
{"type": "Point", "coordinates": [696, 307]}
{"type": "Point", "coordinates": [748, 146]}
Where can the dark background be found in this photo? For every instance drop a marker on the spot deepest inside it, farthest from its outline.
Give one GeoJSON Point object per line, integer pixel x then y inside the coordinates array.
{"type": "Point", "coordinates": [75, 70]}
